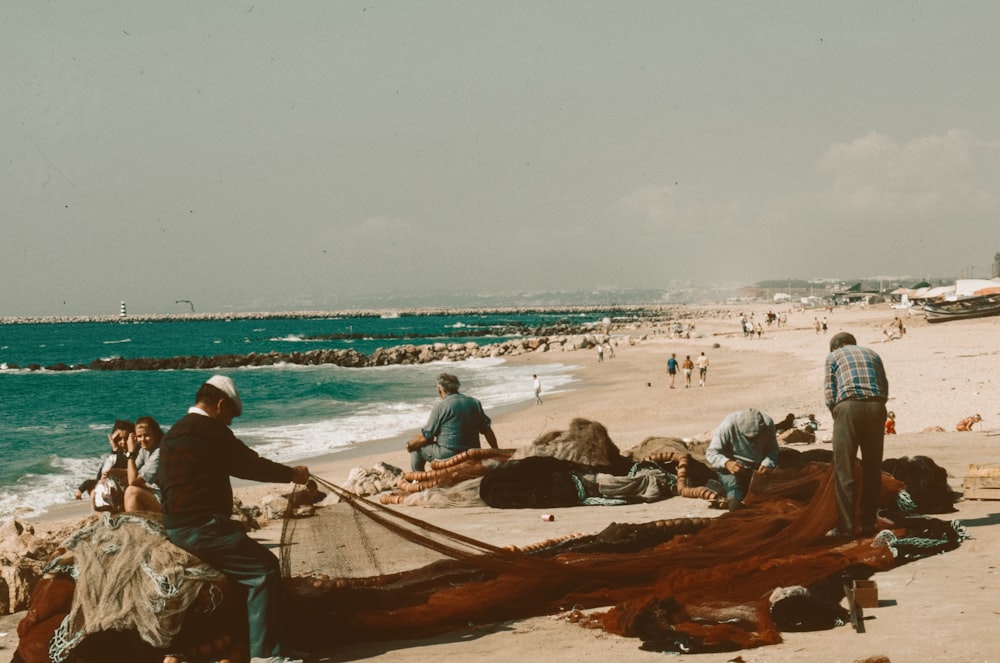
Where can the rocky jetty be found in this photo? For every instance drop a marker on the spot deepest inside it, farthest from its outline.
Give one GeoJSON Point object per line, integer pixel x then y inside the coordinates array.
{"type": "Point", "coordinates": [555, 337]}
{"type": "Point", "coordinates": [620, 323]}
{"type": "Point", "coordinates": [349, 358]}
{"type": "Point", "coordinates": [611, 311]}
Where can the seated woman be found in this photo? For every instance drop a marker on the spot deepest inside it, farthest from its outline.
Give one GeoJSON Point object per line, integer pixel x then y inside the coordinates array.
{"type": "Point", "coordinates": [143, 493]}
{"type": "Point", "coordinates": [105, 487]}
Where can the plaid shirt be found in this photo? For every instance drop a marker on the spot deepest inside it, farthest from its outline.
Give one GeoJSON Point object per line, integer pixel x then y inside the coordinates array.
{"type": "Point", "coordinates": [854, 373]}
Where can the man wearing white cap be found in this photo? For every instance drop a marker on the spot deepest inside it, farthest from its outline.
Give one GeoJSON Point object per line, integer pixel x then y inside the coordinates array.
{"type": "Point", "coordinates": [197, 458]}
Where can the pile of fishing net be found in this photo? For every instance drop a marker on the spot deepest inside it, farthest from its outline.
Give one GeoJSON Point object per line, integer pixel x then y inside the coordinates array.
{"type": "Point", "coordinates": [363, 570]}
{"type": "Point", "coordinates": [359, 569]}
{"type": "Point", "coordinates": [118, 590]}
{"type": "Point", "coordinates": [576, 466]}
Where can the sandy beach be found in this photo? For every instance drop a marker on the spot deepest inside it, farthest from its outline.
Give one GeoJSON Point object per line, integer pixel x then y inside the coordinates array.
{"type": "Point", "coordinates": [944, 608]}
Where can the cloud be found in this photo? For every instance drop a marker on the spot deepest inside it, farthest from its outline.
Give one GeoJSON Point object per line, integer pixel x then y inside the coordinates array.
{"type": "Point", "coordinates": [874, 204]}
{"type": "Point", "coordinates": [926, 177]}
{"type": "Point", "coordinates": [870, 178]}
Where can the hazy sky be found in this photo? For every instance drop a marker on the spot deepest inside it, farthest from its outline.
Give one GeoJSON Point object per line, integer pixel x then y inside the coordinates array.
{"type": "Point", "coordinates": [291, 155]}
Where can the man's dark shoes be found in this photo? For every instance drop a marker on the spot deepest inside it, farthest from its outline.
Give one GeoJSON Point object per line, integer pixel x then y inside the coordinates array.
{"type": "Point", "coordinates": [734, 504]}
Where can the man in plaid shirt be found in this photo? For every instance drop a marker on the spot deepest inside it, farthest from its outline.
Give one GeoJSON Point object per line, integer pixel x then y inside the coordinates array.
{"type": "Point", "coordinates": [856, 389]}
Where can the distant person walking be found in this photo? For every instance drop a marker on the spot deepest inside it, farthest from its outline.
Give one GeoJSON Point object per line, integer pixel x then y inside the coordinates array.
{"type": "Point", "coordinates": [672, 369]}
{"type": "Point", "coordinates": [702, 363]}
{"type": "Point", "coordinates": [600, 352]}
{"type": "Point", "coordinates": [538, 390]}
{"type": "Point", "coordinates": [688, 368]}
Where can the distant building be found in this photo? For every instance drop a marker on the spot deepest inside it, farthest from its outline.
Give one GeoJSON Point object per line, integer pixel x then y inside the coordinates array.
{"type": "Point", "coordinates": [996, 266]}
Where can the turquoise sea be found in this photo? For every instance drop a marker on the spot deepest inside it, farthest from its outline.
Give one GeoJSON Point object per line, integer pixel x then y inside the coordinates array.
{"type": "Point", "coordinates": [53, 424]}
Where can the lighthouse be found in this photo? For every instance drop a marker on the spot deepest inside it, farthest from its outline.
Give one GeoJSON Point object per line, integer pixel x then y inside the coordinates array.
{"type": "Point", "coordinates": [122, 313]}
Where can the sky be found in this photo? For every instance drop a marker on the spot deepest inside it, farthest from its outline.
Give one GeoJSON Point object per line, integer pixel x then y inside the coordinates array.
{"type": "Point", "coordinates": [270, 156]}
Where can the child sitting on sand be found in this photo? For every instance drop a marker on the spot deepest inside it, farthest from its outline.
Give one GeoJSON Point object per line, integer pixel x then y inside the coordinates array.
{"type": "Point", "coordinates": [967, 423]}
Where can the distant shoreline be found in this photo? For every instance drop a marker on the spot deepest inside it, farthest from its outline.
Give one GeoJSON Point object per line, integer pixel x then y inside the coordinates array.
{"type": "Point", "coordinates": [358, 313]}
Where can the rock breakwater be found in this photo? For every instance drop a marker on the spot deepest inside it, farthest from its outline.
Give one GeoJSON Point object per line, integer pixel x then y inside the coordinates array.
{"type": "Point", "coordinates": [611, 311]}
{"type": "Point", "coordinates": [624, 325]}
{"type": "Point", "coordinates": [348, 358]}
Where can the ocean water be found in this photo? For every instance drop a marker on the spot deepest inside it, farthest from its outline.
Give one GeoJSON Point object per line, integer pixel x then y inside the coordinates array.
{"type": "Point", "coordinates": [54, 424]}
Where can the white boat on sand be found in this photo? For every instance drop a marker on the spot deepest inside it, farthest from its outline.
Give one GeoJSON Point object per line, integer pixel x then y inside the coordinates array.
{"type": "Point", "coordinates": [969, 298]}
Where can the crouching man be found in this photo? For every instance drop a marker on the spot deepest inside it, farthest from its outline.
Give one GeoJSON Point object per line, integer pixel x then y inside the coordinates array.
{"type": "Point", "coordinates": [745, 442]}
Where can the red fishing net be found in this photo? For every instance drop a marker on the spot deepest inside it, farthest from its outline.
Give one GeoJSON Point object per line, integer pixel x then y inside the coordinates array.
{"type": "Point", "coordinates": [359, 569]}
{"type": "Point", "coordinates": [681, 585]}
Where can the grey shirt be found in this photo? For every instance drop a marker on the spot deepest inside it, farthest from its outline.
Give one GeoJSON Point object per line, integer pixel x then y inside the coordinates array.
{"type": "Point", "coordinates": [747, 436]}
{"type": "Point", "coordinates": [456, 421]}
{"type": "Point", "coordinates": [147, 465]}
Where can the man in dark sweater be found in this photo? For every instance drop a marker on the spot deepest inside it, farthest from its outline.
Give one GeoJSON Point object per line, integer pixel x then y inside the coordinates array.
{"type": "Point", "coordinates": [197, 458]}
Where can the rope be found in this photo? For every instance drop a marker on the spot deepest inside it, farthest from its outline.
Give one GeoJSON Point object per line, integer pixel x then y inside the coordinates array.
{"type": "Point", "coordinates": [603, 501]}
{"type": "Point", "coordinates": [454, 545]}
{"type": "Point", "coordinates": [905, 502]}
{"type": "Point", "coordinates": [887, 539]}
{"type": "Point", "coordinates": [673, 527]}
{"type": "Point", "coordinates": [695, 492]}
{"type": "Point", "coordinates": [470, 454]}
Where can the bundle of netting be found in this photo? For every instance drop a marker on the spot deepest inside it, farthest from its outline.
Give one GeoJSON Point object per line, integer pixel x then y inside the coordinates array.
{"type": "Point", "coordinates": [363, 570]}
{"type": "Point", "coordinates": [118, 591]}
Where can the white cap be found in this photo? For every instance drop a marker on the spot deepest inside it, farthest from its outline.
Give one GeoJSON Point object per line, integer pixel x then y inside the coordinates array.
{"type": "Point", "coordinates": [225, 385]}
